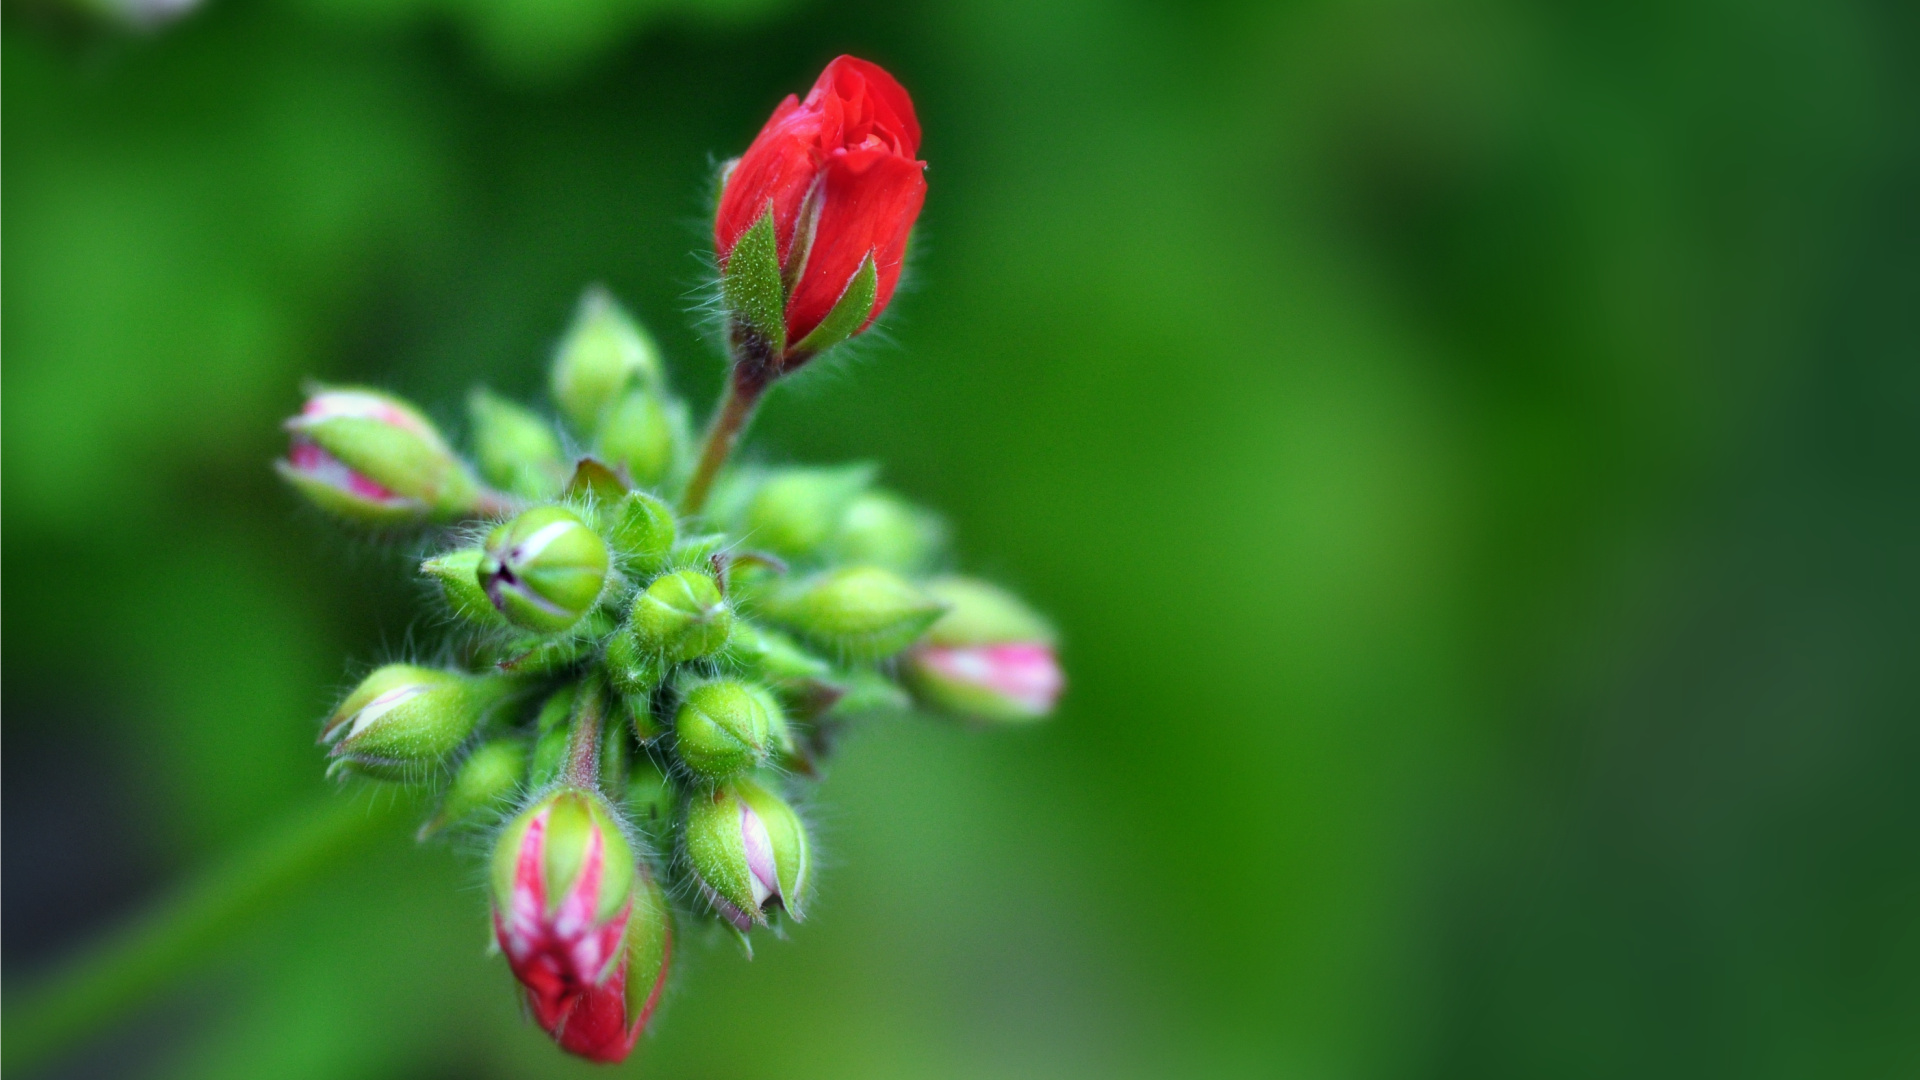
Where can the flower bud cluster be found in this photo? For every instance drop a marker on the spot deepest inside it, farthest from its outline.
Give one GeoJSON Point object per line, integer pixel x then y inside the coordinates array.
{"type": "Point", "coordinates": [647, 677]}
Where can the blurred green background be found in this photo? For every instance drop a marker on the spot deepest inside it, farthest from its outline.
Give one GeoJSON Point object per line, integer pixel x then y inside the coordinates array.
{"type": "Point", "coordinates": [1472, 449]}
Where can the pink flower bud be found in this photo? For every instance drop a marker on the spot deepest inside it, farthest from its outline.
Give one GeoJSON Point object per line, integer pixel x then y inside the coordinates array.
{"type": "Point", "coordinates": [306, 457]}
{"type": "Point", "coordinates": [749, 853]}
{"type": "Point", "coordinates": [989, 657]}
{"type": "Point", "coordinates": [998, 682]}
{"type": "Point", "coordinates": [563, 882]}
{"type": "Point", "coordinates": [373, 459]}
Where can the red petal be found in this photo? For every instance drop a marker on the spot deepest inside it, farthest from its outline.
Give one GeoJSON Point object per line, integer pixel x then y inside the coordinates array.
{"type": "Point", "coordinates": [891, 108]}
{"type": "Point", "coordinates": [597, 1028]}
{"type": "Point", "coordinates": [779, 166]}
{"type": "Point", "coordinates": [869, 204]}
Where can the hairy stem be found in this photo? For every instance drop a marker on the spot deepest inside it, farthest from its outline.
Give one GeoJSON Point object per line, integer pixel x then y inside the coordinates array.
{"type": "Point", "coordinates": [722, 435]}
{"type": "Point", "coordinates": [754, 369]}
{"type": "Point", "coordinates": [187, 928]}
{"type": "Point", "coordinates": [583, 738]}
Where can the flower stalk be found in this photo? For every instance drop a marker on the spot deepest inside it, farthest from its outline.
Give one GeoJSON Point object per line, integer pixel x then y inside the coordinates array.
{"type": "Point", "coordinates": [188, 929]}
{"type": "Point", "coordinates": [584, 735]}
{"type": "Point", "coordinates": [737, 405]}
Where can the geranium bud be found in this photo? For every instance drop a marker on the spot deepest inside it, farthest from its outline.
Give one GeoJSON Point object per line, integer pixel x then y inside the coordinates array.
{"type": "Point", "coordinates": [605, 351]}
{"type": "Point", "coordinates": [697, 552]}
{"type": "Point", "coordinates": [749, 853]}
{"type": "Point", "coordinates": [989, 657]}
{"type": "Point", "coordinates": [722, 729]}
{"type": "Point", "coordinates": [458, 575]}
{"type": "Point", "coordinates": [858, 612]}
{"type": "Point", "coordinates": [796, 511]}
{"type": "Point", "coordinates": [516, 449]}
{"type": "Point", "coordinates": [773, 656]}
{"type": "Point", "coordinates": [643, 531]}
{"type": "Point", "coordinates": [483, 785]}
{"type": "Point", "coordinates": [1004, 683]}
{"type": "Point", "coordinates": [403, 720]}
{"type": "Point", "coordinates": [633, 670]}
{"type": "Point", "coordinates": [863, 692]}
{"type": "Point", "coordinates": [372, 459]}
{"type": "Point", "coordinates": [820, 207]}
{"type": "Point", "coordinates": [544, 569]}
{"type": "Point", "coordinates": [594, 483]}
{"type": "Point", "coordinates": [563, 882]}
{"type": "Point", "coordinates": [653, 800]}
{"type": "Point", "coordinates": [882, 529]}
{"type": "Point", "coordinates": [638, 434]}
{"type": "Point", "coordinates": [681, 616]}
{"type": "Point", "coordinates": [606, 1021]}
{"type": "Point", "coordinates": [779, 731]}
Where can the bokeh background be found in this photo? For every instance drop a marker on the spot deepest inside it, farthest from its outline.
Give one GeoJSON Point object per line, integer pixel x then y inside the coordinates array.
{"type": "Point", "coordinates": [1472, 449]}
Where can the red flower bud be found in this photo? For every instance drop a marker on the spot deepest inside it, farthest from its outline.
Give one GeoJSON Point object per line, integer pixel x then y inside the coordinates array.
{"type": "Point", "coordinates": [840, 175]}
{"type": "Point", "coordinates": [606, 1021]}
{"type": "Point", "coordinates": [563, 883]}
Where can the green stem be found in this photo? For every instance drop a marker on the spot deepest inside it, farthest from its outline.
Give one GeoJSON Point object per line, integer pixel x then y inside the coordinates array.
{"type": "Point", "coordinates": [736, 409]}
{"type": "Point", "coordinates": [187, 928]}
{"type": "Point", "coordinates": [583, 738]}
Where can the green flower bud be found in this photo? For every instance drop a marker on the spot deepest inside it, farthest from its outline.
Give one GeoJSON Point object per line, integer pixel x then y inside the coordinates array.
{"type": "Point", "coordinates": [483, 785]}
{"type": "Point", "coordinates": [749, 853]}
{"type": "Point", "coordinates": [697, 552]}
{"type": "Point", "coordinates": [732, 491]}
{"type": "Point", "coordinates": [722, 729]}
{"type": "Point", "coordinates": [634, 671]}
{"type": "Point", "coordinates": [779, 731]}
{"type": "Point", "coordinates": [458, 573]}
{"type": "Point", "coordinates": [653, 800]}
{"type": "Point", "coordinates": [796, 511]}
{"type": "Point", "coordinates": [881, 529]}
{"type": "Point", "coordinates": [594, 484]}
{"type": "Point", "coordinates": [544, 569]}
{"type": "Point", "coordinates": [643, 531]}
{"type": "Point", "coordinates": [604, 352]}
{"type": "Point", "coordinates": [638, 434]}
{"type": "Point", "coordinates": [859, 612]}
{"type": "Point", "coordinates": [773, 656]}
{"type": "Point", "coordinates": [372, 459]}
{"type": "Point", "coordinates": [403, 720]}
{"type": "Point", "coordinates": [517, 450]}
{"type": "Point", "coordinates": [863, 692]}
{"type": "Point", "coordinates": [649, 954]}
{"type": "Point", "coordinates": [681, 617]}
